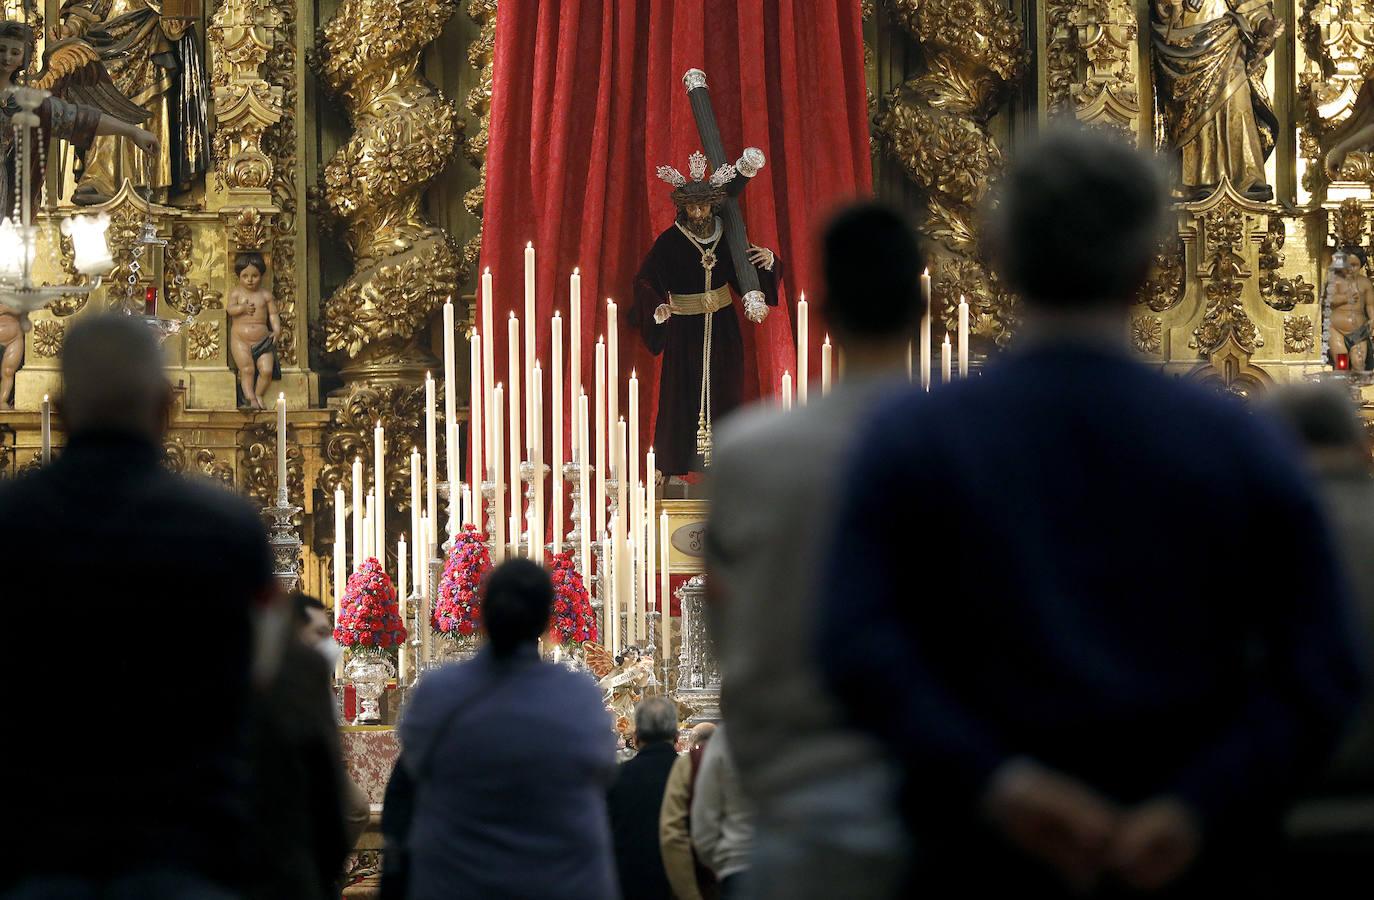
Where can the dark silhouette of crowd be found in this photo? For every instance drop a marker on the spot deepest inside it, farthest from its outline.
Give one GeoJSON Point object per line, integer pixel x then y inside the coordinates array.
{"type": "Point", "coordinates": [1069, 628]}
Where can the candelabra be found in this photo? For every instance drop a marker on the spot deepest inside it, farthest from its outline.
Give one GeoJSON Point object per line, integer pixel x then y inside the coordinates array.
{"type": "Point", "coordinates": [698, 674]}
{"type": "Point", "coordinates": [524, 543]}
{"type": "Point", "coordinates": [572, 477]}
{"type": "Point", "coordinates": [285, 543]}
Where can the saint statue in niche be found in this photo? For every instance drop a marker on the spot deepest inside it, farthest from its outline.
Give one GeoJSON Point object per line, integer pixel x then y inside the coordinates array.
{"type": "Point", "coordinates": [1350, 294]}
{"type": "Point", "coordinates": [254, 329]}
{"type": "Point", "coordinates": [1209, 61]}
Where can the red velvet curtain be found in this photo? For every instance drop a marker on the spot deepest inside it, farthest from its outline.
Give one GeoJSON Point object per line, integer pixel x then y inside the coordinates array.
{"type": "Point", "coordinates": [588, 101]}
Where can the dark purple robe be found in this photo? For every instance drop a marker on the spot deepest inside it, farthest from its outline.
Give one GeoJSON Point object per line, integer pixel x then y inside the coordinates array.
{"type": "Point", "coordinates": [674, 265]}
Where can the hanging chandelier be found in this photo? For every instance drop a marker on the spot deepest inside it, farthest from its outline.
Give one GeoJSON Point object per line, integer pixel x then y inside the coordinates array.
{"type": "Point", "coordinates": [18, 234]}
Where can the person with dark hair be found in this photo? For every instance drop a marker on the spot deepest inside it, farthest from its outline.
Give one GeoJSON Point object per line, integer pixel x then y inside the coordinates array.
{"type": "Point", "coordinates": [635, 799]}
{"type": "Point", "coordinates": [827, 823]}
{"type": "Point", "coordinates": [1062, 722]}
{"type": "Point", "coordinates": [157, 807]}
{"type": "Point", "coordinates": [1331, 830]}
{"type": "Point", "coordinates": [509, 758]}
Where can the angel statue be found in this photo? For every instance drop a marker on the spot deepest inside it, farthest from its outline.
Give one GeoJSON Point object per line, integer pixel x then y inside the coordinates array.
{"type": "Point", "coordinates": [623, 679]}
{"type": "Point", "coordinates": [84, 104]}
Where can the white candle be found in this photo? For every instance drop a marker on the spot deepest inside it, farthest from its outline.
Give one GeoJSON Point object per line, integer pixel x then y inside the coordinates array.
{"type": "Point", "coordinates": [650, 527]}
{"type": "Point", "coordinates": [637, 542]}
{"type": "Point", "coordinates": [416, 486]}
{"type": "Point", "coordinates": [612, 370]}
{"type": "Point", "coordinates": [786, 390]}
{"type": "Point", "coordinates": [945, 354]}
{"type": "Point", "coordinates": [607, 590]}
{"type": "Point", "coordinates": [281, 444]}
{"type": "Point", "coordinates": [450, 393]}
{"type": "Point", "coordinates": [489, 364]}
{"type": "Point", "coordinates": [530, 323]}
{"type": "Point", "coordinates": [633, 431]}
{"type": "Point", "coordinates": [340, 546]}
{"type": "Point", "coordinates": [455, 509]}
{"type": "Point", "coordinates": [477, 435]}
{"type": "Point", "coordinates": [963, 338]}
{"type": "Point", "coordinates": [556, 401]}
{"type": "Point", "coordinates": [498, 511]}
{"type": "Point", "coordinates": [584, 484]}
{"type": "Point", "coordinates": [402, 582]}
{"type": "Point", "coordinates": [925, 331]}
{"type": "Point", "coordinates": [402, 651]}
{"type": "Point", "coordinates": [422, 573]}
{"type": "Point", "coordinates": [803, 348]}
{"type": "Point", "coordinates": [431, 458]}
{"type": "Point", "coordinates": [537, 458]}
{"type": "Point", "coordinates": [636, 627]}
{"type": "Point", "coordinates": [826, 354]}
{"type": "Point", "coordinates": [46, 428]}
{"type": "Point", "coordinates": [379, 491]}
{"type": "Point", "coordinates": [358, 530]}
{"type": "Point", "coordinates": [370, 527]}
{"type": "Point", "coordinates": [575, 337]}
{"type": "Point", "coordinates": [340, 573]}
{"type": "Point", "coordinates": [599, 501]}
{"type": "Point", "coordinates": [422, 615]}
{"type": "Point", "coordinates": [516, 413]}
{"type": "Point", "coordinates": [621, 484]}
{"type": "Point", "coordinates": [665, 607]}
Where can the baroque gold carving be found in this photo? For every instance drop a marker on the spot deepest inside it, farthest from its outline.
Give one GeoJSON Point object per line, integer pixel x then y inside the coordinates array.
{"type": "Point", "coordinates": [215, 469]}
{"type": "Point", "coordinates": [202, 340]}
{"type": "Point", "coordinates": [1147, 334]}
{"type": "Point", "coordinates": [1280, 293]}
{"type": "Point", "coordinates": [401, 410]}
{"type": "Point", "coordinates": [1338, 37]}
{"type": "Point", "coordinates": [936, 126]}
{"type": "Point", "coordinates": [1165, 288]}
{"type": "Point", "coordinates": [405, 131]}
{"type": "Point", "coordinates": [1091, 62]}
{"type": "Point", "coordinates": [250, 229]}
{"type": "Point", "coordinates": [258, 465]}
{"type": "Point", "coordinates": [280, 144]}
{"type": "Point", "coordinates": [1225, 317]}
{"type": "Point", "coordinates": [246, 104]}
{"type": "Point", "coordinates": [181, 293]}
{"type": "Point", "coordinates": [48, 336]}
{"type": "Point", "coordinates": [1298, 334]}
{"type": "Point", "coordinates": [480, 57]}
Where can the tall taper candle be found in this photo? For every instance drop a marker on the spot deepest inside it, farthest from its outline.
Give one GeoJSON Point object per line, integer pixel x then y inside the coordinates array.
{"type": "Point", "coordinates": [379, 491]}
{"type": "Point", "coordinates": [530, 324]}
{"type": "Point", "coordinates": [416, 493]}
{"type": "Point", "coordinates": [621, 484]}
{"type": "Point", "coordinates": [537, 459]}
{"type": "Point", "coordinates": [358, 513]}
{"type": "Point", "coordinates": [402, 567]}
{"type": "Point", "coordinates": [431, 458]}
{"type": "Point", "coordinates": [575, 341]}
{"type": "Point", "coordinates": [925, 331]}
{"type": "Point", "coordinates": [786, 390]}
{"type": "Point", "coordinates": [370, 527]}
{"type": "Point", "coordinates": [945, 366]}
{"type": "Point", "coordinates": [476, 432]}
{"type": "Point", "coordinates": [514, 424]}
{"type": "Point", "coordinates": [606, 587]}
{"type": "Point", "coordinates": [402, 593]}
{"type": "Point", "coordinates": [450, 392]}
{"type": "Point", "coordinates": [602, 452]}
{"type": "Point", "coordinates": [556, 435]}
{"type": "Point", "coordinates": [637, 541]}
{"type": "Point", "coordinates": [963, 338]}
{"type": "Point", "coordinates": [665, 607]}
{"type": "Point", "coordinates": [498, 511]}
{"type": "Point", "coordinates": [46, 427]}
{"type": "Point", "coordinates": [455, 508]}
{"type": "Point", "coordinates": [826, 361]}
{"type": "Point", "coordinates": [489, 364]}
{"type": "Point", "coordinates": [633, 432]}
{"type": "Point", "coordinates": [340, 545]}
{"type": "Point", "coordinates": [803, 348]}
{"type": "Point", "coordinates": [612, 372]}
{"type": "Point", "coordinates": [650, 525]}
{"type": "Point", "coordinates": [281, 448]}
{"type": "Point", "coordinates": [584, 499]}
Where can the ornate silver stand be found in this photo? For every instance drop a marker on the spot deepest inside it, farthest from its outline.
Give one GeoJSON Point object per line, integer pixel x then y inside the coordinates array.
{"type": "Point", "coordinates": [522, 541]}
{"type": "Point", "coordinates": [698, 673]}
{"type": "Point", "coordinates": [572, 481]}
{"type": "Point", "coordinates": [285, 543]}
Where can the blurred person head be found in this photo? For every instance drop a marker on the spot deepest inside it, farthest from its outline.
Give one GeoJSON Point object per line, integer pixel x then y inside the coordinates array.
{"type": "Point", "coordinates": [701, 733]}
{"type": "Point", "coordinates": [516, 603]}
{"type": "Point", "coordinates": [112, 378]}
{"type": "Point", "coordinates": [873, 267]}
{"type": "Point", "coordinates": [1324, 419]}
{"type": "Point", "coordinates": [1076, 222]}
{"type": "Point", "coordinates": [312, 618]}
{"type": "Point", "coordinates": [655, 722]}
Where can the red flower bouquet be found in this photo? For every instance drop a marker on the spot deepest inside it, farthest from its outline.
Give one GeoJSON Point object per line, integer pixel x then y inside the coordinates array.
{"type": "Point", "coordinates": [369, 618]}
{"type": "Point", "coordinates": [457, 612]}
{"type": "Point", "coordinates": [574, 620]}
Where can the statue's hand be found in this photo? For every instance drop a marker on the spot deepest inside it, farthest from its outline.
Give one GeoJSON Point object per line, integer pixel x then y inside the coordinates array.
{"type": "Point", "coordinates": [662, 313]}
{"type": "Point", "coordinates": [755, 309]}
{"type": "Point", "coordinates": [145, 140]}
{"type": "Point", "coordinates": [761, 257]}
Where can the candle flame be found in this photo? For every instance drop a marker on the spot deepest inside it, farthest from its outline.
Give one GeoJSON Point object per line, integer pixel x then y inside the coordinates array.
{"type": "Point", "coordinates": [487, 270]}
{"type": "Point", "coordinates": [282, 396]}
{"type": "Point", "coordinates": [827, 340]}
{"type": "Point", "coordinates": [803, 297]}
{"type": "Point", "coordinates": [555, 314]}
{"type": "Point", "coordinates": [512, 314]}
{"type": "Point", "coordinates": [577, 271]}
{"type": "Point", "coordinates": [529, 245]}
{"type": "Point", "coordinates": [926, 273]}
{"type": "Point", "coordinates": [45, 398]}
{"type": "Point", "coordinates": [634, 376]}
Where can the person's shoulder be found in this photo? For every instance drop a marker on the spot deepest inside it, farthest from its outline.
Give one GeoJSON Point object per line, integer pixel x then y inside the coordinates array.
{"type": "Point", "coordinates": [22, 491]}
{"type": "Point", "coordinates": [205, 500]}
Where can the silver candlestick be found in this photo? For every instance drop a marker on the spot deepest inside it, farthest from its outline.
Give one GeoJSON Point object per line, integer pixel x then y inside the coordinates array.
{"type": "Point", "coordinates": [285, 543]}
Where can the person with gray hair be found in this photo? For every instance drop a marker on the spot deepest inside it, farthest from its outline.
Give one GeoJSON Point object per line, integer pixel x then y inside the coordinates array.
{"type": "Point", "coordinates": [635, 798]}
{"type": "Point", "coordinates": [1330, 831]}
{"type": "Point", "coordinates": [107, 545]}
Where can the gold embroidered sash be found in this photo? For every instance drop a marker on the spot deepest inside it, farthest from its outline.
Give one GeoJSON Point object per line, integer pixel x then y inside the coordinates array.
{"type": "Point", "coordinates": [700, 304]}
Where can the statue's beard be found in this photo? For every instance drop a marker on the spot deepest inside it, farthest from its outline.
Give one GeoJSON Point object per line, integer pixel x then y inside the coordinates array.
{"type": "Point", "coordinates": [702, 228]}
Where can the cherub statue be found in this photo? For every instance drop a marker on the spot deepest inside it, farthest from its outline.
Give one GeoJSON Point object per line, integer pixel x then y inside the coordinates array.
{"type": "Point", "coordinates": [1351, 297]}
{"type": "Point", "coordinates": [255, 328]}
{"type": "Point", "coordinates": [623, 679]}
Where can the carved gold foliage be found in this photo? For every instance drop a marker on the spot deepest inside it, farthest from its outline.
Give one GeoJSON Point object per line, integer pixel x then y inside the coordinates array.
{"type": "Point", "coordinates": [1338, 39]}
{"type": "Point", "coordinates": [993, 311]}
{"type": "Point", "coordinates": [181, 293]}
{"type": "Point", "coordinates": [1278, 292]}
{"type": "Point", "coordinates": [258, 465]}
{"type": "Point", "coordinates": [280, 143]}
{"type": "Point", "coordinates": [1165, 288]}
{"type": "Point", "coordinates": [202, 340]}
{"type": "Point", "coordinates": [1298, 334]}
{"type": "Point", "coordinates": [250, 229]}
{"type": "Point", "coordinates": [1348, 223]}
{"type": "Point", "coordinates": [404, 133]}
{"type": "Point", "coordinates": [215, 469]}
{"type": "Point", "coordinates": [984, 31]}
{"type": "Point", "coordinates": [1147, 334]}
{"type": "Point", "coordinates": [246, 103]}
{"type": "Point", "coordinates": [401, 410]}
{"type": "Point", "coordinates": [48, 336]}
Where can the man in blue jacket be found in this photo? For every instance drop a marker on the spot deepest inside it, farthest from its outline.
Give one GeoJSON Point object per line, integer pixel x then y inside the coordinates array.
{"type": "Point", "coordinates": [1092, 609]}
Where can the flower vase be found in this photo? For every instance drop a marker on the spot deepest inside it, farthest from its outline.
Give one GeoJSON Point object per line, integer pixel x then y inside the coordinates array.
{"type": "Point", "coordinates": [369, 673]}
{"type": "Point", "coordinates": [451, 648]}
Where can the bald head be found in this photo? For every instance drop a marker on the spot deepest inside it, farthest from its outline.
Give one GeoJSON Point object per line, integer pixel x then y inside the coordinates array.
{"type": "Point", "coordinates": [701, 733]}
{"type": "Point", "coordinates": [112, 378]}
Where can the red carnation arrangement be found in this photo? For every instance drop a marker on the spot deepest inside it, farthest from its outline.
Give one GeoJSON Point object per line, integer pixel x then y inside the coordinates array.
{"type": "Point", "coordinates": [368, 615]}
{"type": "Point", "coordinates": [457, 612]}
{"type": "Point", "coordinates": [574, 620]}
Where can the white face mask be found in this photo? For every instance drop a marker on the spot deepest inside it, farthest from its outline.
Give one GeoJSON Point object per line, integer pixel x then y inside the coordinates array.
{"type": "Point", "coordinates": [330, 650]}
{"type": "Point", "coordinates": [271, 630]}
